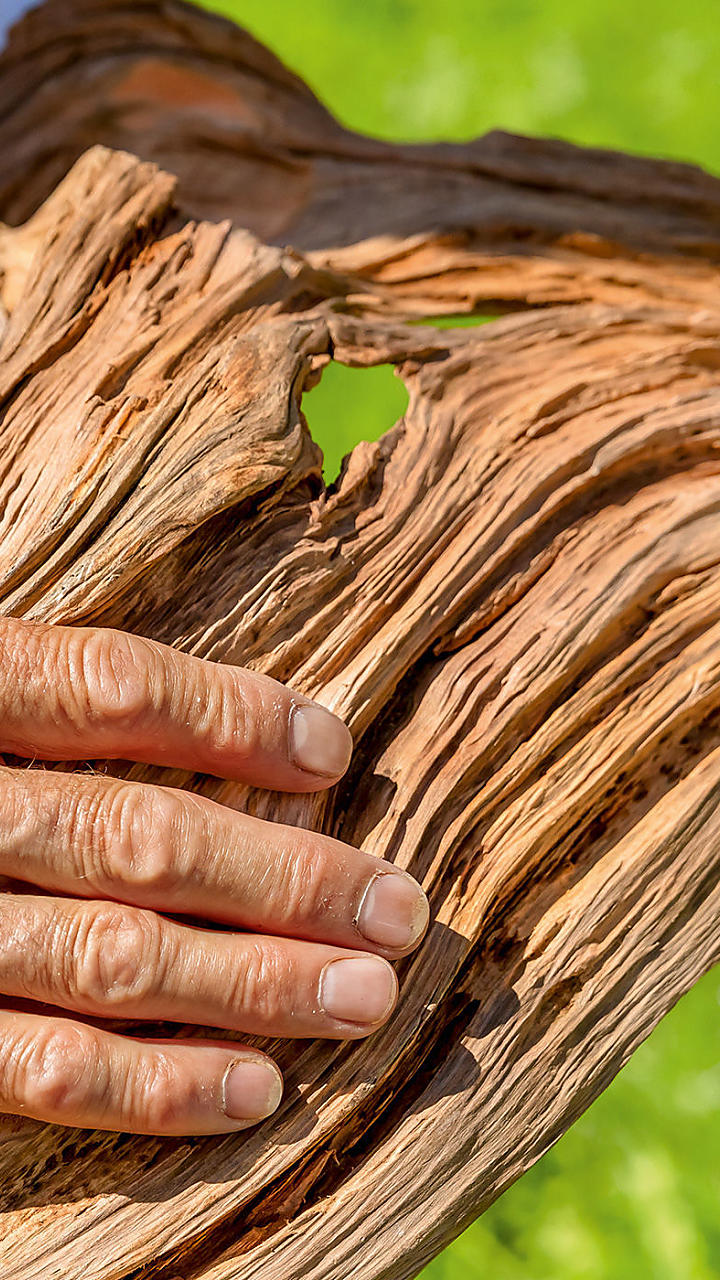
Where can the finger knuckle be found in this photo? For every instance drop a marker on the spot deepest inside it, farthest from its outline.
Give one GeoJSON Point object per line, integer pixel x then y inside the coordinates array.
{"type": "Point", "coordinates": [52, 1072]}
{"type": "Point", "coordinates": [21, 653]}
{"type": "Point", "coordinates": [76, 826]}
{"type": "Point", "coordinates": [23, 946]}
{"type": "Point", "coordinates": [261, 982]}
{"type": "Point", "coordinates": [140, 833]}
{"type": "Point", "coordinates": [158, 1097]}
{"type": "Point", "coordinates": [14, 657]}
{"type": "Point", "coordinates": [302, 892]}
{"type": "Point", "coordinates": [227, 717]}
{"type": "Point", "coordinates": [117, 956]}
{"type": "Point", "coordinates": [120, 679]}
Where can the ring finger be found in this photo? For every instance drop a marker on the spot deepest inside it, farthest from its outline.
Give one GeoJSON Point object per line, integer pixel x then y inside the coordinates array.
{"type": "Point", "coordinates": [111, 960]}
{"type": "Point", "coordinates": [64, 1072]}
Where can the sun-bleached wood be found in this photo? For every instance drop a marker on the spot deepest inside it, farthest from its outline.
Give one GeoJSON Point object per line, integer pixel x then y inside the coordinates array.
{"type": "Point", "coordinates": [513, 598]}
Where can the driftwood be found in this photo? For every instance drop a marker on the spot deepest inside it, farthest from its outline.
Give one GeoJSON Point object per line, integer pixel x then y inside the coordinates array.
{"type": "Point", "coordinates": [513, 598]}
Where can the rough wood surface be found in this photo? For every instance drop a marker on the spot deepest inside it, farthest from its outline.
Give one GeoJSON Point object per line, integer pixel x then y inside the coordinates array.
{"type": "Point", "coordinates": [495, 224]}
{"type": "Point", "coordinates": [513, 598]}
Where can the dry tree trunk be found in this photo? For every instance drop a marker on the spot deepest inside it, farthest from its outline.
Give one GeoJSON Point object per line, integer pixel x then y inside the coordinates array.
{"type": "Point", "coordinates": [513, 598]}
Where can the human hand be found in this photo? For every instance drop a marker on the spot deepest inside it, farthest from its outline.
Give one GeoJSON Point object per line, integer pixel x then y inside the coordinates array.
{"type": "Point", "coordinates": [124, 852]}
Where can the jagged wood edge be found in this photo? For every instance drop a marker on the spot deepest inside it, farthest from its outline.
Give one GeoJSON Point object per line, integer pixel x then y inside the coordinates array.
{"type": "Point", "coordinates": [497, 223]}
{"type": "Point", "coordinates": [512, 910]}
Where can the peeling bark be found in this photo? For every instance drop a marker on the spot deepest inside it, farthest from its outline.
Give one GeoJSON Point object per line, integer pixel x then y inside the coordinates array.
{"type": "Point", "coordinates": [513, 598]}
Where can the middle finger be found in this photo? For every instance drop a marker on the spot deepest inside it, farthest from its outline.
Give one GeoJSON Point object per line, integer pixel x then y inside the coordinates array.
{"type": "Point", "coordinates": [178, 852]}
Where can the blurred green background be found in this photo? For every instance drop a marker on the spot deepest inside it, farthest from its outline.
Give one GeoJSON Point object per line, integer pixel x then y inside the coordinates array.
{"type": "Point", "coordinates": [633, 1190]}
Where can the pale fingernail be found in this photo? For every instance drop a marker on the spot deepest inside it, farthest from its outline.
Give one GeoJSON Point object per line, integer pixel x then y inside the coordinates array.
{"type": "Point", "coordinates": [394, 911]}
{"type": "Point", "coordinates": [251, 1090]}
{"type": "Point", "coordinates": [358, 989]}
{"type": "Point", "coordinates": [319, 741]}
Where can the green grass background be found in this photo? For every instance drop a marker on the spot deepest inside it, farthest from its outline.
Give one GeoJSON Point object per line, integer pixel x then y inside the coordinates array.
{"type": "Point", "coordinates": [632, 1191]}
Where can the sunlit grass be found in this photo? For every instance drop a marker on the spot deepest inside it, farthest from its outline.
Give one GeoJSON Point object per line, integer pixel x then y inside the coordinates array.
{"type": "Point", "coordinates": [349, 405]}
{"type": "Point", "coordinates": [641, 75]}
{"type": "Point", "coordinates": [632, 1190]}
{"type": "Point", "coordinates": [454, 322]}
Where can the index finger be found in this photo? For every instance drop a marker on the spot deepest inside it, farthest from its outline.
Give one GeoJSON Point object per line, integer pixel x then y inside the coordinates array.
{"type": "Point", "coordinates": [91, 693]}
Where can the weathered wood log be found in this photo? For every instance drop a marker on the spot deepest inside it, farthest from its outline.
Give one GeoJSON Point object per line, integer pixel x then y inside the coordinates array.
{"type": "Point", "coordinates": [501, 222]}
{"type": "Point", "coordinates": [513, 598]}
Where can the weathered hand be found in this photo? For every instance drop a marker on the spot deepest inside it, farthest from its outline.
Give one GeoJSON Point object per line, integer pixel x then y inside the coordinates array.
{"type": "Point", "coordinates": [123, 852]}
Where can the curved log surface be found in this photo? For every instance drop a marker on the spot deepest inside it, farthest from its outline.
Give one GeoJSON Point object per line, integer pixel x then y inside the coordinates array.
{"type": "Point", "coordinates": [495, 224]}
{"type": "Point", "coordinates": [513, 598]}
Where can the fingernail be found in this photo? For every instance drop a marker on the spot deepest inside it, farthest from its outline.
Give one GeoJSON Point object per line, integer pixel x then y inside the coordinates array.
{"type": "Point", "coordinates": [358, 989]}
{"type": "Point", "coordinates": [394, 911]}
{"type": "Point", "coordinates": [319, 741]}
{"type": "Point", "coordinates": [251, 1090]}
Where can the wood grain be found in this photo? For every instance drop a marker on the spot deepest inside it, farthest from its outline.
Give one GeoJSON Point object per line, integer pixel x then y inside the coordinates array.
{"type": "Point", "coordinates": [499, 223]}
{"type": "Point", "coordinates": [513, 598]}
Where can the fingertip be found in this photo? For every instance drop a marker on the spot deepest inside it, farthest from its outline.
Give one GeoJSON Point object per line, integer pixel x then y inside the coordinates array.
{"type": "Point", "coordinates": [252, 1089]}
{"type": "Point", "coordinates": [360, 990]}
{"type": "Point", "coordinates": [319, 742]}
{"type": "Point", "coordinates": [394, 910]}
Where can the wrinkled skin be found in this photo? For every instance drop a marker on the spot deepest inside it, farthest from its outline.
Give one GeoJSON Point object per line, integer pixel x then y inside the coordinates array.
{"type": "Point", "coordinates": [110, 856]}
